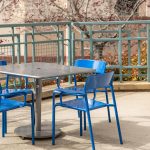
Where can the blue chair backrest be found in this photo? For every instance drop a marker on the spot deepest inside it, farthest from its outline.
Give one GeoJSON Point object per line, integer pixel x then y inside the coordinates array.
{"type": "Point", "coordinates": [99, 81]}
{"type": "Point", "coordinates": [99, 66]}
{"type": "Point", "coordinates": [3, 62]}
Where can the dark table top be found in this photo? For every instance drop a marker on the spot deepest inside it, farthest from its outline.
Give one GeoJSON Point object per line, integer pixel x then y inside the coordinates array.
{"type": "Point", "coordinates": [40, 70]}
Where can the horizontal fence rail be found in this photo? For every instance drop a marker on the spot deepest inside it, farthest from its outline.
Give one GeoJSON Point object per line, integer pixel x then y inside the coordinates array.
{"type": "Point", "coordinates": [125, 45]}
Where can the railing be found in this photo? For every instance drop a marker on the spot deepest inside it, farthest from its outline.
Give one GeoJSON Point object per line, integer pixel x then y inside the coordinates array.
{"type": "Point", "coordinates": [34, 42]}
{"type": "Point", "coordinates": [63, 42]}
{"type": "Point", "coordinates": [116, 37]}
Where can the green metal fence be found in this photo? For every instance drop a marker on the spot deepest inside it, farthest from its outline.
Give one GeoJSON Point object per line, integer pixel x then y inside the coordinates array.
{"type": "Point", "coordinates": [34, 42]}
{"type": "Point", "coordinates": [119, 43]}
{"type": "Point", "coordinates": [124, 39]}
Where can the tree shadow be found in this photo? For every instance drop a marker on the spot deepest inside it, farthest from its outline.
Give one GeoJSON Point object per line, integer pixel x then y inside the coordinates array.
{"type": "Point", "coordinates": [136, 135]}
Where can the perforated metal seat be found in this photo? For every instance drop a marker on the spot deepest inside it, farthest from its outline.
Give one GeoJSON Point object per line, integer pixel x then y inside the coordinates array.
{"type": "Point", "coordinates": [70, 91]}
{"type": "Point", "coordinates": [15, 92]}
{"type": "Point", "coordinates": [7, 104]}
{"type": "Point", "coordinates": [79, 104]}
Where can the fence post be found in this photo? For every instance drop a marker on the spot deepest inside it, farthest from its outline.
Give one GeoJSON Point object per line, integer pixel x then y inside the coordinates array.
{"type": "Point", "coordinates": [139, 48]}
{"type": "Point", "coordinates": [25, 48]}
{"type": "Point", "coordinates": [33, 45]}
{"type": "Point", "coordinates": [129, 48]}
{"type": "Point", "coordinates": [139, 51]}
{"type": "Point", "coordinates": [120, 52]}
{"type": "Point", "coordinates": [18, 49]}
{"type": "Point", "coordinates": [62, 48]}
{"type": "Point", "coordinates": [69, 37]}
{"type": "Point", "coordinates": [58, 49]}
{"type": "Point", "coordinates": [73, 47]}
{"type": "Point", "coordinates": [82, 45]}
{"type": "Point", "coordinates": [91, 42]}
{"type": "Point", "coordinates": [13, 46]}
{"type": "Point", "coordinates": [148, 52]}
{"type": "Point", "coordinates": [129, 51]}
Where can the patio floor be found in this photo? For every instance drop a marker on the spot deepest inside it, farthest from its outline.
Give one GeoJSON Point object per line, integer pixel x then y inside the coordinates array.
{"type": "Point", "coordinates": [134, 112]}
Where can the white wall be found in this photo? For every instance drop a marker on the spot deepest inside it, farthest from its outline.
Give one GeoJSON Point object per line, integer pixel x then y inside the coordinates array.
{"type": "Point", "coordinates": [148, 8]}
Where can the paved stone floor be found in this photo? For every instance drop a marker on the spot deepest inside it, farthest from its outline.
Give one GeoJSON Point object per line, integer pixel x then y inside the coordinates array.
{"type": "Point", "coordinates": [134, 112]}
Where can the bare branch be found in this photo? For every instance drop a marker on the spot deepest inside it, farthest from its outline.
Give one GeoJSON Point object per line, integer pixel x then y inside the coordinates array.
{"type": "Point", "coordinates": [86, 10]}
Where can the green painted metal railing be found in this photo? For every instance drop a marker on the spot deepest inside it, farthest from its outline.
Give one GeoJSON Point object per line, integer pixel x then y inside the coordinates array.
{"type": "Point", "coordinates": [142, 34]}
{"type": "Point", "coordinates": [60, 42]}
{"type": "Point", "coordinates": [34, 42]}
{"type": "Point", "coordinates": [28, 38]}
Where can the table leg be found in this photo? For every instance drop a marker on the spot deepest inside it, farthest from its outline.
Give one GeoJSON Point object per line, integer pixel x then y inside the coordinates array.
{"type": "Point", "coordinates": [43, 130]}
{"type": "Point", "coordinates": [38, 90]}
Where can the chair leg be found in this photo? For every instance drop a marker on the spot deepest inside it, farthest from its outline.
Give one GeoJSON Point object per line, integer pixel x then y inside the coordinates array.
{"type": "Point", "coordinates": [89, 123]}
{"type": "Point", "coordinates": [90, 130]}
{"type": "Point", "coordinates": [84, 121]}
{"type": "Point", "coordinates": [78, 113]}
{"type": "Point", "coordinates": [33, 124]}
{"type": "Point", "coordinates": [33, 107]}
{"type": "Point", "coordinates": [78, 110]}
{"type": "Point", "coordinates": [107, 101]}
{"type": "Point", "coordinates": [81, 130]}
{"type": "Point", "coordinates": [4, 124]}
{"type": "Point", "coordinates": [117, 117]}
{"type": "Point", "coordinates": [84, 115]}
{"type": "Point", "coordinates": [53, 120]}
{"type": "Point", "coordinates": [118, 125]}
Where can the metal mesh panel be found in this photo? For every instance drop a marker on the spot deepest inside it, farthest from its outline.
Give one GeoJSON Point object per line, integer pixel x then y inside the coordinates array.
{"type": "Point", "coordinates": [6, 53]}
{"type": "Point", "coordinates": [46, 52]}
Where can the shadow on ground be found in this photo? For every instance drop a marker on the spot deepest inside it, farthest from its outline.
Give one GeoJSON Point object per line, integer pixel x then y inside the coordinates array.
{"type": "Point", "coordinates": [135, 136]}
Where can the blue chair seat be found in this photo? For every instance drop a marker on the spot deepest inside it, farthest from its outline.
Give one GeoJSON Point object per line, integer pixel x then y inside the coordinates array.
{"type": "Point", "coordinates": [79, 104]}
{"type": "Point", "coordinates": [15, 92]}
{"type": "Point", "coordinates": [7, 104]}
{"type": "Point", "coordinates": [69, 91]}
{"type": "Point", "coordinates": [74, 90]}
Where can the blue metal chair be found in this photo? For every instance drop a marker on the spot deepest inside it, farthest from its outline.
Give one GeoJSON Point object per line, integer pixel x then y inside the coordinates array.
{"type": "Point", "coordinates": [7, 104]}
{"type": "Point", "coordinates": [100, 67]}
{"type": "Point", "coordinates": [81, 103]}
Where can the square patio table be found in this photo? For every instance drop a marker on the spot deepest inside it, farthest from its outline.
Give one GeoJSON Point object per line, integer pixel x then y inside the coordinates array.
{"type": "Point", "coordinates": [39, 71]}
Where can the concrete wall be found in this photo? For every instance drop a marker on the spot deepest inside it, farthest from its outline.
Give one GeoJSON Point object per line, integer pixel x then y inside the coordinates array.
{"type": "Point", "coordinates": [35, 10]}
{"type": "Point", "coordinates": [144, 10]}
{"type": "Point", "coordinates": [148, 8]}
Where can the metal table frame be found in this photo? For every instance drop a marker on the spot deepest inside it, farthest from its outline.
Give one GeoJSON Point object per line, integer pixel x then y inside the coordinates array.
{"type": "Point", "coordinates": [39, 71]}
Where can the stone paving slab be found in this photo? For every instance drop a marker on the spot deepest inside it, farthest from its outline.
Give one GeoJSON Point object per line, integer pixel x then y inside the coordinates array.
{"type": "Point", "coordinates": [134, 112]}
